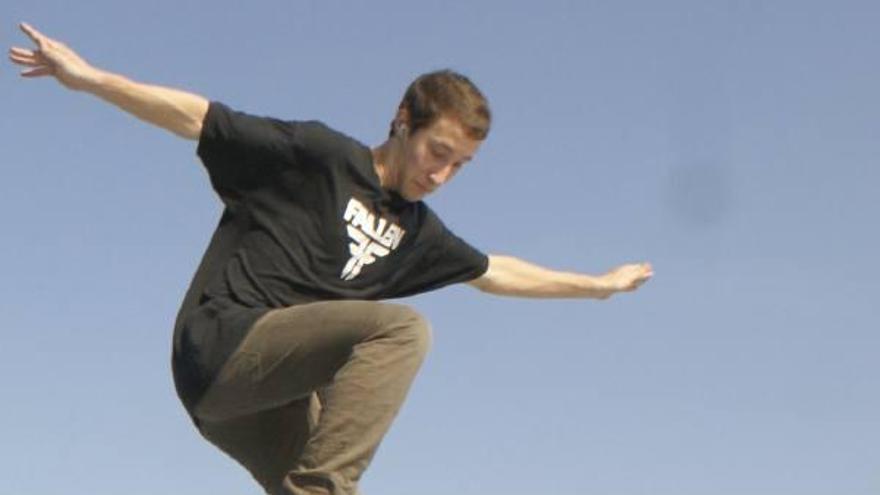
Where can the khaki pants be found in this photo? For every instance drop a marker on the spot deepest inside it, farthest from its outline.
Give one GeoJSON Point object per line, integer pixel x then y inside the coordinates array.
{"type": "Point", "coordinates": [305, 400]}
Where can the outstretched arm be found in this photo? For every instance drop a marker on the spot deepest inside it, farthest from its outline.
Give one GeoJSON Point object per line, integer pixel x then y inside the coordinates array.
{"type": "Point", "coordinates": [177, 111]}
{"type": "Point", "coordinates": [510, 276]}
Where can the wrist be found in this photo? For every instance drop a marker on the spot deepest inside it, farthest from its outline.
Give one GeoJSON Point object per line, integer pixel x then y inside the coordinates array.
{"type": "Point", "coordinates": [95, 81]}
{"type": "Point", "coordinates": [599, 287]}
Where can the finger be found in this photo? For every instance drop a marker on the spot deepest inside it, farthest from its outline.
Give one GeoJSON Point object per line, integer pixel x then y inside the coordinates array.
{"type": "Point", "coordinates": [39, 71]}
{"type": "Point", "coordinates": [33, 34]}
{"type": "Point", "coordinates": [24, 61]}
{"type": "Point", "coordinates": [36, 57]}
{"type": "Point", "coordinates": [22, 51]}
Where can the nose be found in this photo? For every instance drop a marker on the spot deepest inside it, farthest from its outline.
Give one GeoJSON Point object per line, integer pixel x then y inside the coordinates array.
{"type": "Point", "coordinates": [439, 177]}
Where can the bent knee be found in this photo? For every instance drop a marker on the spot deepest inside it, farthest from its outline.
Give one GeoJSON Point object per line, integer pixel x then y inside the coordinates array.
{"type": "Point", "coordinates": [411, 325]}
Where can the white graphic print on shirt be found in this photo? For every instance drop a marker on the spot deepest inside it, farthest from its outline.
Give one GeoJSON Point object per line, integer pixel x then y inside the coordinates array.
{"type": "Point", "coordinates": [371, 239]}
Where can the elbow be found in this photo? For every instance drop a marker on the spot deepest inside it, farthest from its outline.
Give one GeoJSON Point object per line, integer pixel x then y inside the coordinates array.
{"type": "Point", "coordinates": [191, 127]}
{"type": "Point", "coordinates": [483, 284]}
{"type": "Point", "coordinates": [191, 131]}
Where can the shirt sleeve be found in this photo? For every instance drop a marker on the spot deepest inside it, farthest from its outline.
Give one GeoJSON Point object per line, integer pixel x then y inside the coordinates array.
{"type": "Point", "coordinates": [464, 260]}
{"type": "Point", "coordinates": [243, 152]}
{"type": "Point", "coordinates": [447, 259]}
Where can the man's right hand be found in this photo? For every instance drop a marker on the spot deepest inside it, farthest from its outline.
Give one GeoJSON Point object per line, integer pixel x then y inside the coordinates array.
{"type": "Point", "coordinates": [53, 58]}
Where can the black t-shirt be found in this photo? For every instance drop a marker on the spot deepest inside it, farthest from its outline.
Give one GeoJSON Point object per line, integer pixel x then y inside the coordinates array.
{"type": "Point", "coordinates": [305, 219]}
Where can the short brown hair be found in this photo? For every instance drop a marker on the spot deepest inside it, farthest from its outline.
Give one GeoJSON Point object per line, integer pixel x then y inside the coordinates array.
{"type": "Point", "coordinates": [449, 93]}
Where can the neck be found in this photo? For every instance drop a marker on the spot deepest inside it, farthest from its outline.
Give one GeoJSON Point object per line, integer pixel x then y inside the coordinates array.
{"type": "Point", "coordinates": [386, 158]}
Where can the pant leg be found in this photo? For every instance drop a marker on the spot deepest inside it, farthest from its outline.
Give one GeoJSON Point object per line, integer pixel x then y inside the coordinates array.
{"type": "Point", "coordinates": [361, 356]}
{"type": "Point", "coordinates": [267, 442]}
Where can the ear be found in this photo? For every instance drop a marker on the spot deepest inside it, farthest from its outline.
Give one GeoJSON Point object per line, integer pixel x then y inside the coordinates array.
{"type": "Point", "coordinates": [402, 117]}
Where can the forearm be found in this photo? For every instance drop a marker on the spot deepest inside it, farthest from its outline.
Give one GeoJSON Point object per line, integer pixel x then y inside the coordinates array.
{"type": "Point", "coordinates": [510, 276]}
{"type": "Point", "coordinates": [177, 111]}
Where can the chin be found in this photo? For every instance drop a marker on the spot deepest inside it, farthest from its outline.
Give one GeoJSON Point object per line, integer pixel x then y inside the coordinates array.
{"type": "Point", "coordinates": [413, 194]}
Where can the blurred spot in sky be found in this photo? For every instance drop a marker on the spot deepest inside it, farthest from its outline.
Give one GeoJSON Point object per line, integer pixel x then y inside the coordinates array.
{"type": "Point", "coordinates": [697, 194]}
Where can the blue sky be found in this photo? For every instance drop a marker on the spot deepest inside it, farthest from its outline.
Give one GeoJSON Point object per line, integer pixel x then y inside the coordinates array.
{"type": "Point", "coordinates": [734, 145]}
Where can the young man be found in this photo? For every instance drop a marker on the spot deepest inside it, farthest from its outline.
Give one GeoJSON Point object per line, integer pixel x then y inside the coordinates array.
{"type": "Point", "coordinates": [283, 355]}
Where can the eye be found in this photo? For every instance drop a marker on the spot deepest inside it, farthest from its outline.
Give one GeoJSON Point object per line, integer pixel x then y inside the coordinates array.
{"type": "Point", "coordinates": [439, 153]}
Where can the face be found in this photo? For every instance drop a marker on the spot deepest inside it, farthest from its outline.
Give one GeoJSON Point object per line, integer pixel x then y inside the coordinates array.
{"type": "Point", "coordinates": [432, 157]}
